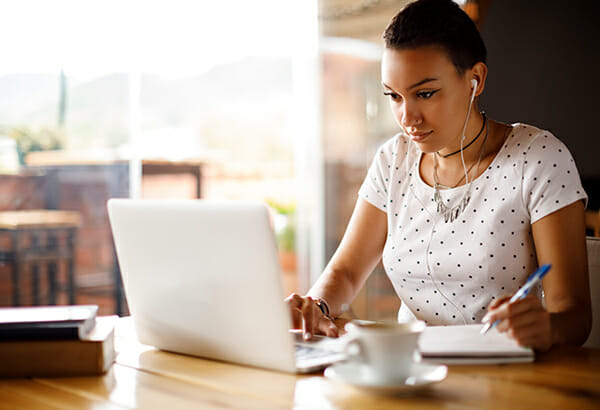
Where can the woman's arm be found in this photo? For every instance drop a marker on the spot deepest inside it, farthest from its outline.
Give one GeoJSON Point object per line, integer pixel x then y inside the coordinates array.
{"type": "Point", "coordinates": [559, 240]}
{"type": "Point", "coordinates": [357, 255]}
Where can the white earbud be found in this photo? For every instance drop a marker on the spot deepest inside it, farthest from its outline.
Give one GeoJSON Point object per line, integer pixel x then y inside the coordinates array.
{"type": "Point", "coordinates": [474, 85]}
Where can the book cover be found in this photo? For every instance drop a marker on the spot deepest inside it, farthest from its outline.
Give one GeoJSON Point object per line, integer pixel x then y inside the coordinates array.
{"type": "Point", "coordinates": [47, 322]}
{"type": "Point", "coordinates": [92, 355]}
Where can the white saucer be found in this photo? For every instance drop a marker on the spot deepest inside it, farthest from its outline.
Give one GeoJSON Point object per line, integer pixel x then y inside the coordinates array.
{"type": "Point", "coordinates": [356, 374]}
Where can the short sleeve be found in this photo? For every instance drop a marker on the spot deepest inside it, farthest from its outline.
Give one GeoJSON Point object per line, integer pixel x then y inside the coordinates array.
{"type": "Point", "coordinates": [550, 177]}
{"type": "Point", "coordinates": [374, 188]}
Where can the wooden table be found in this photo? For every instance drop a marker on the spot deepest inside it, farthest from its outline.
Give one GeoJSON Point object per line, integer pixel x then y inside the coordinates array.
{"type": "Point", "coordinates": [565, 378]}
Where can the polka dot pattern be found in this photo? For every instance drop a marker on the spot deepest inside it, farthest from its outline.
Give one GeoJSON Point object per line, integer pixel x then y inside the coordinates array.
{"type": "Point", "coordinates": [448, 273]}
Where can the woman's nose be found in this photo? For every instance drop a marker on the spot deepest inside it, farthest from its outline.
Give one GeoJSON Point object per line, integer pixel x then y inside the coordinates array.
{"type": "Point", "coordinates": [409, 117]}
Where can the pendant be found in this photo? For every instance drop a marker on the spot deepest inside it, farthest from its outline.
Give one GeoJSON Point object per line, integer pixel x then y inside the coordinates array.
{"type": "Point", "coordinates": [450, 214]}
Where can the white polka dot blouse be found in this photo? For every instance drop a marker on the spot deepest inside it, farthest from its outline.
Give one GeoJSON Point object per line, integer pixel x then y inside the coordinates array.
{"type": "Point", "coordinates": [448, 273]}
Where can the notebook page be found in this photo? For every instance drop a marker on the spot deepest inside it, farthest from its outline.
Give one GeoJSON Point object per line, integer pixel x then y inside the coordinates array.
{"type": "Point", "coordinates": [466, 341]}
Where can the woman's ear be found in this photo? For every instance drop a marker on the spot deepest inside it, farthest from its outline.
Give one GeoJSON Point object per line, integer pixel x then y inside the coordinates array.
{"type": "Point", "coordinates": [479, 73]}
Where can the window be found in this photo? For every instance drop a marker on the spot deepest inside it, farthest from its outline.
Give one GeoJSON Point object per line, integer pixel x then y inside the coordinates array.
{"type": "Point", "coordinates": [112, 98]}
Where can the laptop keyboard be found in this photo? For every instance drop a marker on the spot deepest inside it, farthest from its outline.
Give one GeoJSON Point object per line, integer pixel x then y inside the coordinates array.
{"type": "Point", "coordinates": [317, 353]}
{"type": "Point", "coordinates": [311, 353]}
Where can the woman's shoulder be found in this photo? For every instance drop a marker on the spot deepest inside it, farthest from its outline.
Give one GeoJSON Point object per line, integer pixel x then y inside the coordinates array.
{"type": "Point", "coordinates": [399, 144]}
{"type": "Point", "coordinates": [526, 135]}
{"type": "Point", "coordinates": [550, 179]}
{"type": "Point", "coordinates": [528, 140]}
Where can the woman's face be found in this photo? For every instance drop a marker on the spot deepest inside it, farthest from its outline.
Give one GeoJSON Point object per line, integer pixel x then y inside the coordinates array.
{"type": "Point", "coordinates": [428, 98]}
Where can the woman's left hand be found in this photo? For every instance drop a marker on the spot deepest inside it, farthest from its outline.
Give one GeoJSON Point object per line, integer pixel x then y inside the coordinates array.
{"type": "Point", "coordinates": [525, 320]}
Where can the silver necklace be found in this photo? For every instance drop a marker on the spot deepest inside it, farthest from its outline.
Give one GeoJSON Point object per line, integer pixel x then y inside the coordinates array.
{"type": "Point", "coordinates": [450, 214]}
{"type": "Point", "coordinates": [435, 177]}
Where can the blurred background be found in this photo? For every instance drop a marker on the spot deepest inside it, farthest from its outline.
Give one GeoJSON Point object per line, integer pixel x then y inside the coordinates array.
{"type": "Point", "coordinates": [272, 100]}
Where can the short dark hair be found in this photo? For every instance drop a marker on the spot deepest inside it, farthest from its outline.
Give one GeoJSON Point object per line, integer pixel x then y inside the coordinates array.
{"type": "Point", "coordinates": [437, 23]}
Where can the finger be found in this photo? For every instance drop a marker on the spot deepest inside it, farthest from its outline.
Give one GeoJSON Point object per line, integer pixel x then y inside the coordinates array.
{"type": "Point", "coordinates": [520, 314]}
{"type": "Point", "coordinates": [307, 310]}
{"type": "Point", "coordinates": [510, 309]}
{"type": "Point", "coordinates": [536, 335]}
{"type": "Point", "coordinates": [519, 311]}
{"type": "Point", "coordinates": [529, 334]}
{"type": "Point", "coordinates": [535, 323]}
{"type": "Point", "coordinates": [530, 302]}
{"type": "Point", "coordinates": [340, 323]}
{"type": "Point", "coordinates": [493, 307]}
{"type": "Point", "coordinates": [328, 327]}
{"type": "Point", "coordinates": [298, 306]}
{"type": "Point", "coordinates": [494, 304]}
{"type": "Point", "coordinates": [516, 323]}
{"type": "Point", "coordinates": [294, 302]}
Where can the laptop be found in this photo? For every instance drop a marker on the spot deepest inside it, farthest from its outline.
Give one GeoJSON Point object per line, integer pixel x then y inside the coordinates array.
{"type": "Point", "coordinates": [202, 278]}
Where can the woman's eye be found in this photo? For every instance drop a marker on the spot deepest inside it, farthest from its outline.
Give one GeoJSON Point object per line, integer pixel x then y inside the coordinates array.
{"type": "Point", "coordinates": [393, 96]}
{"type": "Point", "coordinates": [426, 94]}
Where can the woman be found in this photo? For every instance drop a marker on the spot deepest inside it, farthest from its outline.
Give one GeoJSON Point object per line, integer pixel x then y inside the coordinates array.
{"type": "Point", "coordinates": [459, 207]}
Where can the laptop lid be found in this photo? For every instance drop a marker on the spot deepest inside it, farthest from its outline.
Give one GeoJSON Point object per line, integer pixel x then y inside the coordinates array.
{"type": "Point", "coordinates": [202, 278]}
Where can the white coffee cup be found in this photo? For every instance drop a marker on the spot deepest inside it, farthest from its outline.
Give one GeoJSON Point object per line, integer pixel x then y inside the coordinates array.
{"type": "Point", "coordinates": [386, 350]}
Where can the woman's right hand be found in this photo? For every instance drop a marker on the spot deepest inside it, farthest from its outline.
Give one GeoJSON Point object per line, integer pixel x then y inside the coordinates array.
{"type": "Point", "coordinates": [307, 316]}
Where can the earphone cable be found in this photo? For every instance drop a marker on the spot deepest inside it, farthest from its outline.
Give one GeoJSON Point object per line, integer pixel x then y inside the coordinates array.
{"type": "Point", "coordinates": [435, 220]}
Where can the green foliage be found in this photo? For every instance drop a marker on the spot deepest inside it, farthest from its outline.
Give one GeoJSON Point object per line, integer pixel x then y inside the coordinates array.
{"type": "Point", "coordinates": [29, 140]}
{"type": "Point", "coordinates": [286, 236]}
{"type": "Point", "coordinates": [281, 208]}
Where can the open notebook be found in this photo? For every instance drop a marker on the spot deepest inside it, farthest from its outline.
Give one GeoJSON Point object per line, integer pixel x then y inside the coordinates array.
{"type": "Point", "coordinates": [464, 344]}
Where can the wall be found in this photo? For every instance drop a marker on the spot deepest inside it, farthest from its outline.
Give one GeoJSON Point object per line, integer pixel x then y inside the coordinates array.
{"type": "Point", "coordinates": [544, 70]}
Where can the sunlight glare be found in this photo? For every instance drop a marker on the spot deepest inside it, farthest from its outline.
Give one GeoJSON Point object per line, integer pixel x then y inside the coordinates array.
{"type": "Point", "coordinates": [173, 38]}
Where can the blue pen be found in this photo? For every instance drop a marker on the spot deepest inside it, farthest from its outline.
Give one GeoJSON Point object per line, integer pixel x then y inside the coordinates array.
{"type": "Point", "coordinates": [532, 280]}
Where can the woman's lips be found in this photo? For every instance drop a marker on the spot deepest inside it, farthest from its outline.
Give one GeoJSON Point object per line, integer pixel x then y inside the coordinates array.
{"type": "Point", "coordinates": [419, 136]}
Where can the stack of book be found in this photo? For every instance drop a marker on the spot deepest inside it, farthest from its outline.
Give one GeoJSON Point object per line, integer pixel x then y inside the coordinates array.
{"type": "Point", "coordinates": [55, 341]}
